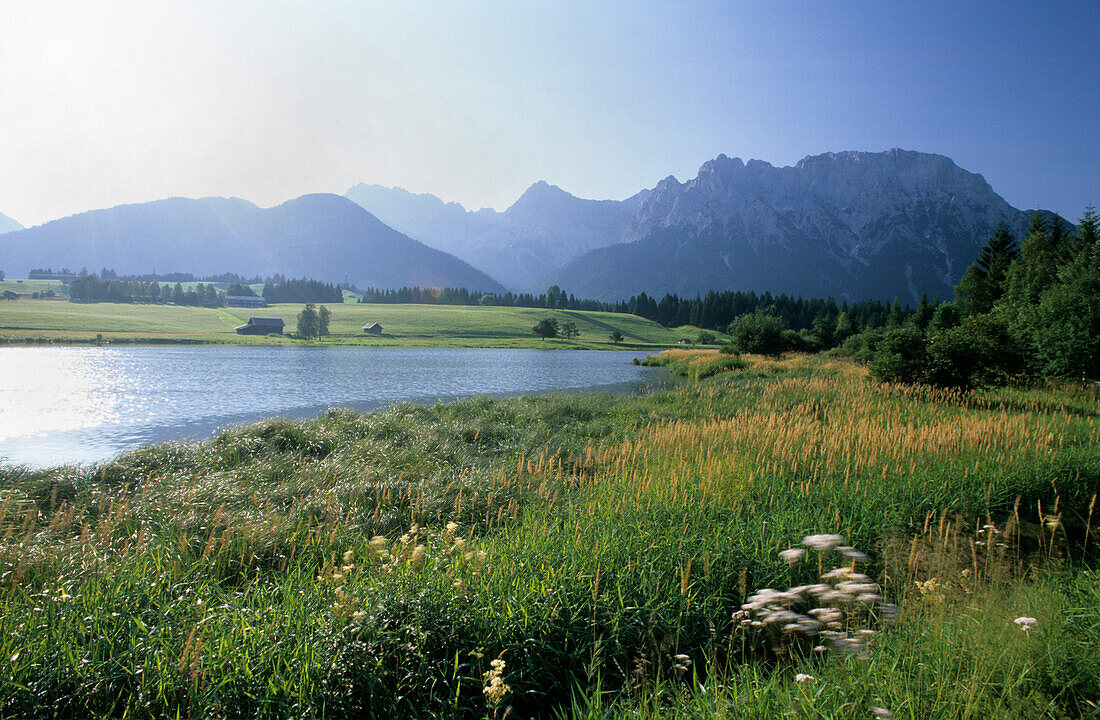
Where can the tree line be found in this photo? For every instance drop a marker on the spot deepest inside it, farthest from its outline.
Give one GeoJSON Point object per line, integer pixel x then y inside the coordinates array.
{"type": "Point", "coordinates": [553, 299]}
{"type": "Point", "coordinates": [716, 310]}
{"type": "Point", "coordinates": [91, 288]}
{"type": "Point", "coordinates": [1022, 311]}
{"type": "Point", "coordinates": [279, 289]}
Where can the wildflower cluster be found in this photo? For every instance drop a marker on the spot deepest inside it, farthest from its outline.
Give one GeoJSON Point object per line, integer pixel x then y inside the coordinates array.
{"type": "Point", "coordinates": [345, 604]}
{"type": "Point", "coordinates": [1027, 624]}
{"type": "Point", "coordinates": [413, 549]}
{"type": "Point", "coordinates": [827, 609]}
{"type": "Point", "coordinates": [931, 590]}
{"type": "Point", "coordinates": [495, 689]}
{"type": "Point", "coordinates": [991, 535]}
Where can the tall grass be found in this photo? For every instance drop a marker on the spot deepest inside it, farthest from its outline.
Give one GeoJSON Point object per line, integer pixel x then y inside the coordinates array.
{"type": "Point", "coordinates": [375, 564]}
{"type": "Point", "coordinates": [695, 364]}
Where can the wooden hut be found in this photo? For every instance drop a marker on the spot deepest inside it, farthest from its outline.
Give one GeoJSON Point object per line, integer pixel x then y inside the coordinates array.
{"type": "Point", "coordinates": [262, 326]}
{"type": "Point", "coordinates": [373, 328]}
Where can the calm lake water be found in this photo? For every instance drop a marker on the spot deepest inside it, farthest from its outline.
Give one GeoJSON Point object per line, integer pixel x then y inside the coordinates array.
{"type": "Point", "coordinates": [75, 404]}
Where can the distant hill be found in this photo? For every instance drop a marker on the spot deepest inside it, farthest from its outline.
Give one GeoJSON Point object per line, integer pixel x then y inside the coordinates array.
{"type": "Point", "coordinates": [545, 228]}
{"type": "Point", "coordinates": [8, 225]}
{"type": "Point", "coordinates": [851, 225]}
{"type": "Point", "coordinates": [323, 236]}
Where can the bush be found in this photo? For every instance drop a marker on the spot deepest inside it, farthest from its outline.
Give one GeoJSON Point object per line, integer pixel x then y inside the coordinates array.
{"type": "Point", "coordinates": [901, 356]}
{"type": "Point", "coordinates": [758, 332]}
{"type": "Point", "coordinates": [980, 351]}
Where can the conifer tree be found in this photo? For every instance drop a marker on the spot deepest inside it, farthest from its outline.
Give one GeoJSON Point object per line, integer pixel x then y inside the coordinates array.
{"type": "Point", "coordinates": [1088, 229]}
{"type": "Point", "coordinates": [985, 280]}
{"type": "Point", "coordinates": [844, 328]}
{"type": "Point", "coordinates": [1034, 269]}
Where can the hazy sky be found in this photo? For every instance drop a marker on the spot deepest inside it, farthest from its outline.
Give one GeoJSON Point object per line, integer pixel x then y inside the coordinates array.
{"type": "Point", "coordinates": [106, 101]}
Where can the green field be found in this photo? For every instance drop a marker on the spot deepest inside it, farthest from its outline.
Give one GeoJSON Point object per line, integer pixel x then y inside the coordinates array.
{"type": "Point", "coordinates": [29, 287]}
{"type": "Point", "coordinates": [26, 320]}
{"type": "Point", "coordinates": [599, 547]}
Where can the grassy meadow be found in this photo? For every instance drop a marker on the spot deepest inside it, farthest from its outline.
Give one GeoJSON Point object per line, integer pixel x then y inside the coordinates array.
{"type": "Point", "coordinates": [29, 321]}
{"type": "Point", "coordinates": [574, 556]}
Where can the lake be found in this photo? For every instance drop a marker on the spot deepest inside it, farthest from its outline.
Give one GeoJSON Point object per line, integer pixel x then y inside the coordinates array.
{"type": "Point", "coordinates": [61, 405]}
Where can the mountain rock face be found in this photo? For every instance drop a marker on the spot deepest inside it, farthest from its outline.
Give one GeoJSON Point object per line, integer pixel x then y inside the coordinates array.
{"type": "Point", "coordinates": [323, 237]}
{"type": "Point", "coordinates": [545, 228]}
{"type": "Point", "coordinates": [8, 225]}
{"type": "Point", "coordinates": [850, 225]}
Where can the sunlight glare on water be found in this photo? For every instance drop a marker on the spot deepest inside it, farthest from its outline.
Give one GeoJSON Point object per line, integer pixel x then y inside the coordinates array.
{"type": "Point", "coordinates": [61, 405]}
{"type": "Point", "coordinates": [42, 390]}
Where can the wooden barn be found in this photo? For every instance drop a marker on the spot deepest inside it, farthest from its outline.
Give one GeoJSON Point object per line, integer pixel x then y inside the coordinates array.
{"type": "Point", "coordinates": [373, 328]}
{"type": "Point", "coordinates": [247, 301]}
{"type": "Point", "coordinates": [262, 326]}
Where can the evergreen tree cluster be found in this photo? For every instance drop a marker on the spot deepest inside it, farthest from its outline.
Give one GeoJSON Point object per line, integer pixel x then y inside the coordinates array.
{"type": "Point", "coordinates": [1021, 311]}
{"type": "Point", "coordinates": [462, 296]}
{"type": "Point", "coordinates": [716, 310]}
{"type": "Point", "coordinates": [174, 277]}
{"type": "Point", "coordinates": [279, 289]}
{"type": "Point", "coordinates": [91, 288]}
{"type": "Point", "coordinates": [238, 290]}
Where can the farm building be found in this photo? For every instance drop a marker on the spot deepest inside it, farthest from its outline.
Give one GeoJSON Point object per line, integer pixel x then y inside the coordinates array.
{"type": "Point", "coordinates": [262, 326]}
{"type": "Point", "coordinates": [373, 328]}
{"type": "Point", "coordinates": [248, 301]}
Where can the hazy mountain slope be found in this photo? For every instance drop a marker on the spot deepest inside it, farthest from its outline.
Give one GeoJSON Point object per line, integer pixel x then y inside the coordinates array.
{"type": "Point", "coordinates": [322, 236]}
{"type": "Point", "coordinates": [850, 225]}
{"type": "Point", "coordinates": [545, 228]}
{"type": "Point", "coordinates": [8, 225]}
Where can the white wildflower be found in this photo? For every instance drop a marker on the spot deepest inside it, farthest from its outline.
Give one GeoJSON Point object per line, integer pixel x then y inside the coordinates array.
{"type": "Point", "coordinates": [792, 555]}
{"type": "Point", "coordinates": [852, 553]}
{"type": "Point", "coordinates": [822, 542]}
{"type": "Point", "coordinates": [1026, 623]}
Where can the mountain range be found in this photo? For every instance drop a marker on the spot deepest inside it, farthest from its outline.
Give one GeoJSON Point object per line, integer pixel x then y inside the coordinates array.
{"type": "Point", "coordinates": [322, 236]}
{"type": "Point", "coordinates": [545, 228]}
{"type": "Point", "coordinates": [8, 225]}
{"type": "Point", "coordinates": [850, 225]}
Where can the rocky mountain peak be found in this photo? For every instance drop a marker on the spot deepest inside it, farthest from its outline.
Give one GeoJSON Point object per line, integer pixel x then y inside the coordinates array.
{"type": "Point", "coordinates": [539, 194]}
{"type": "Point", "coordinates": [721, 165]}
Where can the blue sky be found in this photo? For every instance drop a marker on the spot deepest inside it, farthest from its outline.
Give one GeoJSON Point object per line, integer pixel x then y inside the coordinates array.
{"type": "Point", "coordinates": [110, 102]}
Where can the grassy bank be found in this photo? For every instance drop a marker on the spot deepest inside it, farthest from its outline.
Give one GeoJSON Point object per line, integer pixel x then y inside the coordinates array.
{"type": "Point", "coordinates": [33, 321]}
{"type": "Point", "coordinates": [695, 364]}
{"type": "Point", "coordinates": [375, 564]}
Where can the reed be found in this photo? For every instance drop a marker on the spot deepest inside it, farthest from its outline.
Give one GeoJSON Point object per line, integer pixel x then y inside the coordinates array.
{"type": "Point", "coordinates": [599, 546]}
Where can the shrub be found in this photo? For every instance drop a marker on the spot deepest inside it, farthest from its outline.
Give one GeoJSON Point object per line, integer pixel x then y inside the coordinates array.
{"type": "Point", "coordinates": [979, 352]}
{"type": "Point", "coordinates": [758, 332]}
{"type": "Point", "coordinates": [901, 356]}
